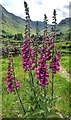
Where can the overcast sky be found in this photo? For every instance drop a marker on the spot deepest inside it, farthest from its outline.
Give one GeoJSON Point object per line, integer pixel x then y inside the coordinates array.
{"type": "Point", "coordinates": [38, 8]}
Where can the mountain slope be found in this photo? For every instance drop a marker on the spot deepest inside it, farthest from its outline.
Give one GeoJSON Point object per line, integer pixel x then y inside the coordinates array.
{"type": "Point", "coordinates": [64, 25]}
{"type": "Point", "coordinates": [12, 24]}
{"type": "Point", "coordinates": [66, 21]}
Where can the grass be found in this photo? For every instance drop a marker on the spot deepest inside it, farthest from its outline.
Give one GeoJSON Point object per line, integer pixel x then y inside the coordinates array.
{"type": "Point", "coordinates": [66, 63]}
{"type": "Point", "coordinates": [10, 103]}
{"type": "Point", "coordinates": [64, 48]}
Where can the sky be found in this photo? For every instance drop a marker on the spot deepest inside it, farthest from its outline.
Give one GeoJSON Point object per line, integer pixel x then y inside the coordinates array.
{"type": "Point", "coordinates": [37, 8]}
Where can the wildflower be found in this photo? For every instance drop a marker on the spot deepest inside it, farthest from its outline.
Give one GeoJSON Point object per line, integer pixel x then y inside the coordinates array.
{"type": "Point", "coordinates": [54, 65]}
{"type": "Point", "coordinates": [27, 56]}
{"type": "Point", "coordinates": [57, 52]}
{"type": "Point", "coordinates": [10, 78]}
{"type": "Point", "coordinates": [27, 51]}
{"type": "Point", "coordinates": [41, 71]}
{"type": "Point", "coordinates": [17, 84]}
{"type": "Point", "coordinates": [52, 46]}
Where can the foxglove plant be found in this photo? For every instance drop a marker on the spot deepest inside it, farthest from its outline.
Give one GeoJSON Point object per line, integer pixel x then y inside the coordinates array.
{"type": "Point", "coordinates": [54, 64]}
{"type": "Point", "coordinates": [36, 43]}
{"type": "Point", "coordinates": [34, 60]}
{"type": "Point", "coordinates": [9, 78]}
{"type": "Point", "coordinates": [11, 84]}
{"type": "Point", "coordinates": [28, 56]}
{"type": "Point", "coordinates": [41, 71]}
{"type": "Point", "coordinates": [27, 51]}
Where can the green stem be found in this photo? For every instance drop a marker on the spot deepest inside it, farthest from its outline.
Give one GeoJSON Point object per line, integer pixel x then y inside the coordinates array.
{"type": "Point", "coordinates": [53, 52]}
{"type": "Point", "coordinates": [20, 100]}
{"type": "Point", "coordinates": [52, 78]}
{"type": "Point", "coordinates": [36, 58]}
{"type": "Point", "coordinates": [16, 88]}
{"type": "Point", "coordinates": [32, 81]}
{"type": "Point", "coordinates": [45, 91]}
{"type": "Point", "coordinates": [52, 86]}
{"type": "Point", "coordinates": [32, 89]}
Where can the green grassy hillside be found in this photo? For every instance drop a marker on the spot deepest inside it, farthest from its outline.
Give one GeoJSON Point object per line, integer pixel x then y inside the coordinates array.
{"type": "Point", "coordinates": [12, 24]}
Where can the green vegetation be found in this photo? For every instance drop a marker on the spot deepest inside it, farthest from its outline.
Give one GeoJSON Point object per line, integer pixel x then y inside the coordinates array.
{"type": "Point", "coordinates": [12, 24]}
{"type": "Point", "coordinates": [64, 47]}
{"type": "Point", "coordinates": [66, 63]}
{"type": "Point", "coordinates": [11, 105]}
{"type": "Point", "coordinates": [12, 36]}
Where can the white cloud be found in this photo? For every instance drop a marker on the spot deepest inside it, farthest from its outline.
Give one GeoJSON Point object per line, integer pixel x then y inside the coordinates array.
{"type": "Point", "coordinates": [37, 8]}
{"type": "Point", "coordinates": [1, 2]}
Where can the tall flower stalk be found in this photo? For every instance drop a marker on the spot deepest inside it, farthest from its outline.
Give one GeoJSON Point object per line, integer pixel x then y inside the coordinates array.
{"type": "Point", "coordinates": [11, 80]}
{"type": "Point", "coordinates": [46, 39]}
{"type": "Point", "coordinates": [54, 65]}
{"type": "Point", "coordinates": [54, 27]}
{"type": "Point", "coordinates": [35, 58]}
{"type": "Point", "coordinates": [27, 50]}
{"type": "Point", "coordinates": [28, 58]}
{"type": "Point", "coordinates": [37, 42]}
{"type": "Point", "coordinates": [41, 71]}
{"type": "Point", "coordinates": [11, 83]}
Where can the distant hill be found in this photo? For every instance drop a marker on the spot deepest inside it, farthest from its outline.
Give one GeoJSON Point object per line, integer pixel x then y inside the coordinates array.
{"type": "Point", "coordinates": [64, 25]}
{"type": "Point", "coordinates": [12, 24]}
{"type": "Point", "coordinates": [66, 21]}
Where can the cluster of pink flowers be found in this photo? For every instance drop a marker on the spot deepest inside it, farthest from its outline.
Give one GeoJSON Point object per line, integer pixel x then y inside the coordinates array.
{"type": "Point", "coordinates": [28, 62]}
{"type": "Point", "coordinates": [50, 46]}
{"type": "Point", "coordinates": [41, 71]}
{"type": "Point", "coordinates": [27, 56]}
{"type": "Point", "coordinates": [54, 65]}
{"type": "Point", "coordinates": [10, 79]}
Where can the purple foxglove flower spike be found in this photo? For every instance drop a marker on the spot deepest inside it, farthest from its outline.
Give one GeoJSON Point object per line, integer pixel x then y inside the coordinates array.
{"type": "Point", "coordinates": [54, 65]}
{"type": "Point", "coordinates": [10, 79]}
{"type": "Point", "coordinates": [27, 57]}
{"type": "Point", "coordinates": [41, 71]}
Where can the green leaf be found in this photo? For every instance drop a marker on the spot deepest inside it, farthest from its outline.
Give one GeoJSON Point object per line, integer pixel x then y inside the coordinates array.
{"type": "Point", "coordinates": [38, 112]}
{"type": "Point", "coordinates": [60, 115]}
{"type": "Point", "coordinates": [53, 115]}
{"type": "Point", "coordinates": [29, 114]}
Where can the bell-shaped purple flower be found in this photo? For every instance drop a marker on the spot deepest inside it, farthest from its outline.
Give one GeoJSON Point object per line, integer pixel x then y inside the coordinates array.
{"type": "Point", "coordinates": [9, 78]}
{"type": "Point", "coordinates": [57, 52]}
{"type": "Point", "coordinates": [41, 71]}
{"type": "Point", "coordinates": [17, 84]}
{"type": "Point", "coordinates": [54, 65]}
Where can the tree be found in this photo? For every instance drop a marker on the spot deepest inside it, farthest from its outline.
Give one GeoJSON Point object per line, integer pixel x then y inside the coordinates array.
{"type": "Point", "coordinates": [18, 36]}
